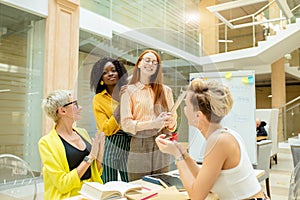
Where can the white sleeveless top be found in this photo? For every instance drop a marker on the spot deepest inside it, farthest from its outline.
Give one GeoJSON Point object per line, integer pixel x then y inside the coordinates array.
{"type": "Point", "coordinates": [239, 182]}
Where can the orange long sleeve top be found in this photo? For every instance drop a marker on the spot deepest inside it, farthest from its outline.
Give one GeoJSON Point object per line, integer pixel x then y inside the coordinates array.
{"type": "Point", "coordinates": [137, 106]}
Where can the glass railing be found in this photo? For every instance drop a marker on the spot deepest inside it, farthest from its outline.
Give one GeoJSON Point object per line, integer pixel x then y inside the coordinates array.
{"type": "Point", "coordinates": [289, 118]}
{"type": "Point", "coordinates": [251, 29]}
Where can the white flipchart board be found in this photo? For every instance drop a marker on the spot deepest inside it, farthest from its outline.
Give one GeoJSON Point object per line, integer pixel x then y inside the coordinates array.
{"type": "Point", "coordinates": [241, 118]}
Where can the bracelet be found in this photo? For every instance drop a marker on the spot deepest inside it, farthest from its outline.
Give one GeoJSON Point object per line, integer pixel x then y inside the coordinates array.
{"type": "Point", "coordinates": [179, 159]}
{"type": "Point", "coordinates": [185, 155]}
{"type": "Point", "coordinates": [93, 156]}
{"type": "Point", "coordinates": [88, 160]}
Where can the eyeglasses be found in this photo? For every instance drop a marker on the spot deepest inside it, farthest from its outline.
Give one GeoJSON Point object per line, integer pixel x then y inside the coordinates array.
{"type": "Point", "coordinates": [72, 102]}
{"type": "Point", "coordinates": [149, 62]}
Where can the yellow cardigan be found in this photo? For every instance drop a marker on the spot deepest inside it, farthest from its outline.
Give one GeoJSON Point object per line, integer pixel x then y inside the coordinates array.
{"type": "Point", "coordinates": [103, 108]}
{"type": "Point", "coordinates": [59, 181]}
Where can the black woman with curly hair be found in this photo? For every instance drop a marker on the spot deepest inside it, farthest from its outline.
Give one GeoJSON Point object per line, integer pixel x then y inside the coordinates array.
{"type": "Point", "coordinates": [107, 77]}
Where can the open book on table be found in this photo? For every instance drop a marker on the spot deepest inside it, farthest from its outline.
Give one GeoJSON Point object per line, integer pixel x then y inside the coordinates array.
{"type": "Point", "coordinates": [109, 190]}
{"type": "Point", "coordinates": [166, 193]}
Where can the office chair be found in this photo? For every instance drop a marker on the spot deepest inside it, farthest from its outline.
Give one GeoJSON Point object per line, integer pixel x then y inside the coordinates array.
{"type": "Point", "coordinates": [294, 190]}
{"type": "Point", "coordinates": [295, 149]}
{"type": "Point", "coordinates": [16, 179]}
{"type": "Point", "coordinates": [264, 148]}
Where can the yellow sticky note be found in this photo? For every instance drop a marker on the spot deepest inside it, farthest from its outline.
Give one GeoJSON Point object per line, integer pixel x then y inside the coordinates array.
{"type": "Point", "coordinates": [228, 75]}
{"type": "Point", "coordinates": [245, 80]}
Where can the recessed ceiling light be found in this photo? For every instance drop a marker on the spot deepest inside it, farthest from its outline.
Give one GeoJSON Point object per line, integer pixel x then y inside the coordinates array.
{"type": "Point", "coordinates": [5, 90]}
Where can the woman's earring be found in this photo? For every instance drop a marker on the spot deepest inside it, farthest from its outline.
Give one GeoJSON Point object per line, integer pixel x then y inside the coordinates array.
{"type": "Point", "coordinates": [101, 82]}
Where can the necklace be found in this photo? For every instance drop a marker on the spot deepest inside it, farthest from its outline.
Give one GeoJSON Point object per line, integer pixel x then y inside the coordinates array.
{"type": "Point", "coordinates": [145, 84]}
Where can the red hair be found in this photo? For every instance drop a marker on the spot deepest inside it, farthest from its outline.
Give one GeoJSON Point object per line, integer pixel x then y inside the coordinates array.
{"type": "Point", "coordinates": [155, 81]}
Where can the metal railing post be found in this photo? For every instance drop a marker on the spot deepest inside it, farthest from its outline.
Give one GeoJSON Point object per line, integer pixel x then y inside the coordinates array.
{"type": "Point", "coordinates": [253, 32]}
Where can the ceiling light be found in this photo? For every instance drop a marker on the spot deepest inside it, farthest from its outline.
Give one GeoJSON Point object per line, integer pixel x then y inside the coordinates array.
{"type": "Point", "coordinates": [5, 90]}
{"type": "Point", "coordinates": [288, 56]}
{"type": "Point", "coordinates": [3, 31]}
{"type": "Point", "coordinates": [225, 41]}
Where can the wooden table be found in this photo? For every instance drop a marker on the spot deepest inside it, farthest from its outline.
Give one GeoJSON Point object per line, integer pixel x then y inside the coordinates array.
{"type": "Point", "coordinates": [211, 196]}
{"type": "Point", "coordinates": [154, 187]}
{"type": "Point", "coordinates": [259, 138]}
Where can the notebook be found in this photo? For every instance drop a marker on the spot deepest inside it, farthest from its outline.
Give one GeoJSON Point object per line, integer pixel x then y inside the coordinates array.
{"type": "Point", "coordinates": [165, 180]}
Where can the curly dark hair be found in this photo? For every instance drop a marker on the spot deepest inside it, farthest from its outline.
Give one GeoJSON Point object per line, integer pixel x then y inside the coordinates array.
{"type": "Point", "coordinates": [97, 71]}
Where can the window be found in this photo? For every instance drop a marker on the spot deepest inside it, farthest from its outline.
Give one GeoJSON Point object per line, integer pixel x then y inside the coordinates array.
{"type": "Point", "coordinates": [21, 75]}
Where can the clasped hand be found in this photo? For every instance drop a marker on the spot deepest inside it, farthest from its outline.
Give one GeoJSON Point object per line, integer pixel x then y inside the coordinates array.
{"type": "Point", "coordinates": [169, 147]}
{"type": "Point", "coordinates": [165, 119]}
{"type": "Point", "coordinates": [97, 146]}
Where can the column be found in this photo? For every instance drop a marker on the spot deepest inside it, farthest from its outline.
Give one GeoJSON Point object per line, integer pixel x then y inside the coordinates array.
{"type": "Point", "coordinates": [278, 91]}
{"type": "Point", "coordinates": [61, 48]}
{"type": "Point", "coordinates": [208, 28]}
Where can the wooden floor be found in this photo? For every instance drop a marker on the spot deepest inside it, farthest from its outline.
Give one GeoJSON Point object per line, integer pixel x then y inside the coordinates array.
{"type": "Point", "coordinates": [280, 175]}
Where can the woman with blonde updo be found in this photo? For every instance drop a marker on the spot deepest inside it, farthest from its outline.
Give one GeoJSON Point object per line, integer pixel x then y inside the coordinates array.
{"type": "Point", "coordinates": [226, 169]}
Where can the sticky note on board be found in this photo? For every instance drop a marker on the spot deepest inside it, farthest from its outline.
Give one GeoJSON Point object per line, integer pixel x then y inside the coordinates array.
{"type": "Point", "coordinates": [248, 80]}
{"type": "Point", "coordinates": [245, 80]}
{"type": "Point", "coordinates": [228, 75]}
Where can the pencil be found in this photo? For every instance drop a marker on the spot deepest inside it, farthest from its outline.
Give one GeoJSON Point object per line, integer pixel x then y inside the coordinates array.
{"type": "Point", "coordinates": [146, 188]}
{"type": "Point", "coordinates": [163, 183]}
{"type": "Point", "coordinates": [149, 196]}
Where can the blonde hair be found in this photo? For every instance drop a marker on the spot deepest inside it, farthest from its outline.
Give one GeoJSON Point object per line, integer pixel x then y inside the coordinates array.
{"type": "Point", "coordinates": [55, 100]}
{"type": "Point", "coordinates": [211, 98]}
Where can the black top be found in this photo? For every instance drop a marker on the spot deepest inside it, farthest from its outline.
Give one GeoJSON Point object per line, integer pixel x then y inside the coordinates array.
{"type": "Point", "coordinates": [261, 131]}
{"type": "Point", "coordinates": [76, 156]}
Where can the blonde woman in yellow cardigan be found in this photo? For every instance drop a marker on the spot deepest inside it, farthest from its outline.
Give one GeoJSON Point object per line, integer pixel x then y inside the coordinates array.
{"type": "Point", "coordinates": [68, 155]}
